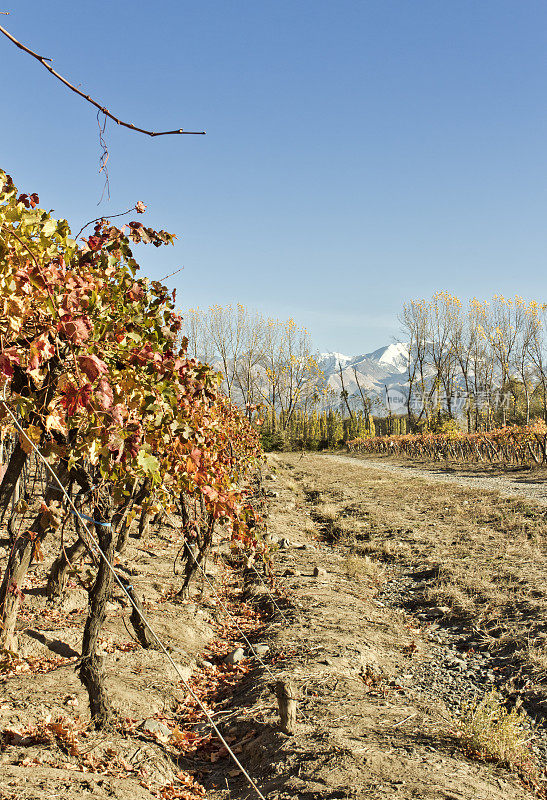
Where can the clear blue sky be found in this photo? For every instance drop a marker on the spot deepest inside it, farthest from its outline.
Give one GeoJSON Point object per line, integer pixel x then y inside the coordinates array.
{"type": "Point", "coordinates": [357, 153]}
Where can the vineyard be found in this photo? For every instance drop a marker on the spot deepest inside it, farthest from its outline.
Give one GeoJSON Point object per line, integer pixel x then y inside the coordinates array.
{"type": "Point", "coordinates": [106, 423]}
{"type": "Point", "coordinates": [510, 445]}
{"type": "Point", "coordinates": [124, 466]}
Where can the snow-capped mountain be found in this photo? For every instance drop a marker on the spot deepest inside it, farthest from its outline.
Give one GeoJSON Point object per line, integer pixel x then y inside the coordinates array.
{"type": "Point", "coordinates": [386, 366]}
{"type": "Point", "coordinates": [394, 355]}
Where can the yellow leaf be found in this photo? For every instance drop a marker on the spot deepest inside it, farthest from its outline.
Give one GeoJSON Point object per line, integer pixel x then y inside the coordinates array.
{"type": "Point", "coordinates": [33, 434]}
{"type": "Point", "coordinates": [55, 422]}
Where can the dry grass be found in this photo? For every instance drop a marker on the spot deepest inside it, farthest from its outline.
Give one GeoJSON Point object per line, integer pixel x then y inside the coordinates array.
{"type": "Point", "coordinates": [363, 568]}
{"type": "Point", "coordinates": [310, 527]}
{"type": "Point", "coordinates": [488, 731]}
{"type": "Point", "coordinates": [452, 596]}
{"type": "Point", "coordinates": [535, 652]}
{"type": "Point", "coordinates": [334, 521]}
{"type": "Point", "coordinates": [489, 552]}
{"type": "Point", "coordinates": [327, 512]}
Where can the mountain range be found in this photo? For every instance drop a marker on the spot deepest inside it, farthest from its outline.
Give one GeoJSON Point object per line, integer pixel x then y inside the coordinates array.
{"type": "Point", "coordinates": [385, 367]}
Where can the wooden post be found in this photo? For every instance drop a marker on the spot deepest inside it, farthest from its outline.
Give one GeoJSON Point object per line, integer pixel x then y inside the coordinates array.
{"type": "Point", "coordinates": [287, 696]}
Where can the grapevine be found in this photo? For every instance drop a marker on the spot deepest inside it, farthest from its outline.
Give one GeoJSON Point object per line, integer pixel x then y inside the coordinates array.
{"type": "Point", "coordinates": [94, 367]}
{"type": "Point", "coordinates": [508, 445]}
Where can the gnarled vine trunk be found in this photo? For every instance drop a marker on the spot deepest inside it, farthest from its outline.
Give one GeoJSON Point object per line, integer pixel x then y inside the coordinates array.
{"type": "Point", "coordinates": [196, 553]}
{"type": "Point", "coordinates": [21, 383]}
{"type": "Point", "coordinates": [19, 560]}
{"type": "Point", "coordinates": [12, 474]}
{"type": "Point", "coordinates": [58, 573]}
{"type": "Point", "coordinates": [91, 673]}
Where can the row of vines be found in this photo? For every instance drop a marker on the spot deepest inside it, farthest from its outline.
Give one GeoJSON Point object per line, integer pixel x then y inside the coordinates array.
{"type": "Point", "coordinates": [509, 445]}
{"type": "Point", "coordinates": [95, 377]}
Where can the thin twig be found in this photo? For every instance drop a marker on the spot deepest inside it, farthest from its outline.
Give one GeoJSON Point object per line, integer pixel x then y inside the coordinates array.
{"type": "Point", "coordinates": [98, 219]}
{"type": "Point", "coordinates": [43, 61]}
{"type": "Point", "coordinates": [176, 272]}
{"type": "Point", "coordinates": [396, 725]}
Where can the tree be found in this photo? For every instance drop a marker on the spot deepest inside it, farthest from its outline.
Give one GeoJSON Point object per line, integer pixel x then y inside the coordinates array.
{"type": "Point", "coordinates": [444, 311]}
{"type": "Point", "coordinates": [537, 348]}
{"type": "Point", "coordinates": [293, 375]}
{"type": "Point", "coordinates": [261, 360]}
{"type": "Point", "coordinates": [415, 324]}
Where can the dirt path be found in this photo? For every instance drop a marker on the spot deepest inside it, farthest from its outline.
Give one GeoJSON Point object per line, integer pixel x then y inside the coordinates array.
{"type": "Point", "coordinates": [366, 728]}
{"type": "Point", "coordinates": [528, 485]}
{"type": "Point", "coordinates": [371, 730]}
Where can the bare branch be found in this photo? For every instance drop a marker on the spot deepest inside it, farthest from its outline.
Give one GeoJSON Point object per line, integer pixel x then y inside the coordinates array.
{"type": "Point", "coordinates": [344, 392]}
{"type": "Point", "coordinates": [43, 61]}
{"type": "Point", "coordinates": [98, 219]}
{"type": "Point", "coordinates": [176, 272]}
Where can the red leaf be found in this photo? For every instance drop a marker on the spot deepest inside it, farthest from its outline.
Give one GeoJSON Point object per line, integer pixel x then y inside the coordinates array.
{"type": "Point", "coordinates": [69, 399]}
{"type": "Point", "coordinates": [104, 394]}
{"type": "Point", "coordinates": [92, 366]}
{"type": "Point", "coordinates": [117, 413]}
{"type": "Point", "coordinates": [7, 359]}
{"type": "Point", "coordinates": [136, 292]}
{"type": "Point", "coordinates": [29, 202]}
{"type": "Point", "coordinates": [132, 445]}
{"type": "Point", "coordinates": [85, 396]}
{"type": "Point", "coordinates": [95, 242]}
{"type": "Point", "coordinates": [41, 349]}
{"type": "Point", "coordinates": [72, 398]}
{"type": "Point", "coordinates": [76, 330]}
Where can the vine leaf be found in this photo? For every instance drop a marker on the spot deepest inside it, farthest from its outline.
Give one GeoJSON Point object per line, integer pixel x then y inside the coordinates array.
{"type": "Point", "coordinates": [148, 463]}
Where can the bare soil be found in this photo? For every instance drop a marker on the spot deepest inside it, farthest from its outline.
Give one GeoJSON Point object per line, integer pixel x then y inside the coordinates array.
{"type": "Point", "coordinates": [526, 481]}
{"type": "Point", "coordinates": [355, 639]}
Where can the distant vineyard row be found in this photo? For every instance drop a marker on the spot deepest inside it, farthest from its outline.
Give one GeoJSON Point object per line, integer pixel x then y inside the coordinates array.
{"type": "Point", "coordinates": [510, 445]}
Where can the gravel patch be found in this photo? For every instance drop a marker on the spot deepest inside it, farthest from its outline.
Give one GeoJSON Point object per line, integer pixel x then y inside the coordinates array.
{"type": "Point", "coordinates": [458, 667]}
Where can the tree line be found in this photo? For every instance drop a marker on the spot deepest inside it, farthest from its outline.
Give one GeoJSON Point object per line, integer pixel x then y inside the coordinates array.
{"type": "Point", "coordinates": [483, 362]}
{"type": "Point", "coordinates": [476, 365]}
{"type": "Point", "coordinates": [264, 361]}
{"type": "Point", "coordinates": [270, 364]}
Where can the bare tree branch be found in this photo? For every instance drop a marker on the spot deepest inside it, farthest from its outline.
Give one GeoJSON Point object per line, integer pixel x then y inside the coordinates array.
{"type": "Point", "coordinates": [344, 392]}
{"type": "Point", "coordinates": [176, 272]}
{"type": "Point", "coordinates": [98, 219]}
{"type": "Point", "coordinates": [43, 61]}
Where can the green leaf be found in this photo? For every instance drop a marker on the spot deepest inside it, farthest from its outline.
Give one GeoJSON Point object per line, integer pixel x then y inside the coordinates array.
{"type": "Point", "coordinates": [148, 463]}
{"type": "Point", "coordinates": [49, 228]}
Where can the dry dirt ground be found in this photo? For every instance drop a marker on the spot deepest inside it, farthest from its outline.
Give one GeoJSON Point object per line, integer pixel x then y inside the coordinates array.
{"type": "Point", "coordinates": [526, 482]}
{"type": "Point", "coordinates": [355, 639]}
